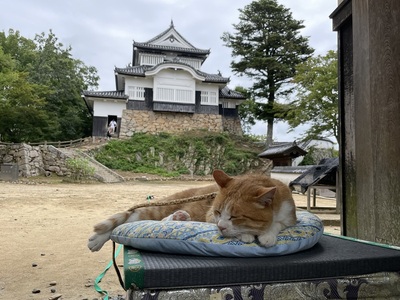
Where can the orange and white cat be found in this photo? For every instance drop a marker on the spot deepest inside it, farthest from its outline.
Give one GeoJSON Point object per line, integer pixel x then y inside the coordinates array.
{"type": "Point", "coordinates": [245, 207]}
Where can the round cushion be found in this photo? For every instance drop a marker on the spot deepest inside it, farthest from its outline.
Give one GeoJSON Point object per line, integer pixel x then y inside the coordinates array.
{"type": "Point", "coordinates": [204, 239]}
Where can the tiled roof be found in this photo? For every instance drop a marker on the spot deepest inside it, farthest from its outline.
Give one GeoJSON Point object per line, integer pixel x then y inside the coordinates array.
{"type": "Point", "coordinates": [170, 48]}
{"type": "Point", "coordinates": [171, 26]}
{"type": "Point", "coordinates": [280, 149]}
{"type": "Point", "coordinates": [231, 94]}
{"type": "Point", "coordinates": [213, 77]}
{"type": "Point", "coordinates": [150, 43]}
{"type": "Point", "coordinates": [134, 71]}
{"type": "Point", "coordinates": [106, 94]}
{"type": "Point", "coordinates": [140, 71]}
{"type": "Point", "coordinates": [323, 173]}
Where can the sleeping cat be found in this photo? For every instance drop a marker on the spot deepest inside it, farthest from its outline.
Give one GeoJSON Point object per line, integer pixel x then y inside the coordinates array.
{"type": "Point", "coordinates": [245, 207]}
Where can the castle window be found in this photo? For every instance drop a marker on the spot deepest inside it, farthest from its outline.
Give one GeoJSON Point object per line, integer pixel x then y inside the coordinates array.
{"type": "Point", "coordinates": [208, 98]}
{"type": "Point", "coordinates": [136, 92]}
{"type": "Point", "coordinates": [195, 63]}
{"type": "Point", "coordinates": [227, 104]}
{"type": "Point", "coordinates": [150, 59]}
{"type": "Point", "coordinates": [174, 95]}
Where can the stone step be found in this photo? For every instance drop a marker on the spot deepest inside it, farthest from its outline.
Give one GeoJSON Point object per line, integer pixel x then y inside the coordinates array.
{"type": "Point", "coordinates": [328, 215]}
{"type": "Point", "coordinates": [320, 210]}
{"type": "Point", "coordinates": [329, 219]}
{"type": "Point", "coordinates": [103, 173]}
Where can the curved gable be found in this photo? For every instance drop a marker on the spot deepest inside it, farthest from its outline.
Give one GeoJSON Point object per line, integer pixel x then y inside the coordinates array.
{"type": "Point", "coordinates": [174, 66]}
{"type": "Point", "coordinates": [174, 86]}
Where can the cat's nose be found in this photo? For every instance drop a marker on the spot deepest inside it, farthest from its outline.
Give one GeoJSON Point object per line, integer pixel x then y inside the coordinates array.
{"type": "Point", "coordinates": [221, 228]}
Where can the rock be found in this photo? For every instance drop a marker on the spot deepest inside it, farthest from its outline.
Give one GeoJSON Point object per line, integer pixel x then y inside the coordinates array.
{"type": "Point", "coordinates": [35, 291]}
{"type": "Point", "coordinates": [53, 291]}
{"type": "Point", "coordinates": [53, 283]}
{"type": "Point", "coordinates": [34, 264]}
{"type": "Point", "coordinates": [55, 297]}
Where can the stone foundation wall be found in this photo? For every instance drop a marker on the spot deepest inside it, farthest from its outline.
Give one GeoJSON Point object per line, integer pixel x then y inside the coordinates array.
{"type": "Point", "coordinates": [34, 160]}
{"type": "Point", "coordinates": [232, 124]}
{"type": "Point", "coordinates": [134, 121]}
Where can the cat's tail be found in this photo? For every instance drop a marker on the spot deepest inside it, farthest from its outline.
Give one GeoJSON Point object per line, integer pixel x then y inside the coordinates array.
{"type": "Point", "coordinates": [112, 222]}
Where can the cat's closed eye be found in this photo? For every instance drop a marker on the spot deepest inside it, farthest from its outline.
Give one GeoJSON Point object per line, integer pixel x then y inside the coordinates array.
{"type": "Point", "coordinates": [217, 212]}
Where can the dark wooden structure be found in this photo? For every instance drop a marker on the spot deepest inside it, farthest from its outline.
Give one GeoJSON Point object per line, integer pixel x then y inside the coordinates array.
{"type": "Point", "coordinates": [322, 176]}
{"type": "Point", "coordinates": [369, 112]}
{"type": "Point", "coordinates": [282, 154]}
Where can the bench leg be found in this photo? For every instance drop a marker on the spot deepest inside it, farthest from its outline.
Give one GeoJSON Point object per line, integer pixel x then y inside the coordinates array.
{"type": "Point", "coordinates": [314, 198]}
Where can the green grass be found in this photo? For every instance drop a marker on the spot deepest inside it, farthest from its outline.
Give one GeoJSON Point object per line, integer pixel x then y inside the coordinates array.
{"type": "Point", "coordinates": [164, 154]}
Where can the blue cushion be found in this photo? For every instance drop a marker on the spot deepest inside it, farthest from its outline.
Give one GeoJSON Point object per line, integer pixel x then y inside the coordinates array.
{"type": "Point", "coordinates": [204, 239]}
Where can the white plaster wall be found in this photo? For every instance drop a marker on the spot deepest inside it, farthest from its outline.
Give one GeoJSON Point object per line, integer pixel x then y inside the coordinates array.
{"type": "Point", "coordinates": [178, 80]}
{"type": "Point", "coordinates": [174, 79]}
{"type": "Point", "coordinates": [206, 87]}
{"type": "Point", "coordinates": [104, 108]}
{"type": "Point", "coordinates": [229, 103]}
{"type": "Point", "coordinates": [135, 81]}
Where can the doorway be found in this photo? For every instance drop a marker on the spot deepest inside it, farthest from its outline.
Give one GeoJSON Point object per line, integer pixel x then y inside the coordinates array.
{"type": "Point", "coordinates": [112, 125]}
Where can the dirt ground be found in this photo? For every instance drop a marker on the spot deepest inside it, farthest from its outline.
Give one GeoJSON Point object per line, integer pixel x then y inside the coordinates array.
{"type": "Point", "coordinates": [44, 232]}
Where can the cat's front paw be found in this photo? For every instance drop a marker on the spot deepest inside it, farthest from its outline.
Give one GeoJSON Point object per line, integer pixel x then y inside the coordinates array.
{"type": "Point", "coordinates": [247, 238]}
{"type": "Point", "coordinates": [267, 239]}
{"type": "Point", "coordinates": [179, 215]}
{"type": "Point", "coordinates": [96, 241]}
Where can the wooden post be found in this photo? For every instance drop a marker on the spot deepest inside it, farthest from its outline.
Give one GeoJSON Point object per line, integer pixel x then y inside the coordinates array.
{"type": "Point", "coordinates": [369, 110]}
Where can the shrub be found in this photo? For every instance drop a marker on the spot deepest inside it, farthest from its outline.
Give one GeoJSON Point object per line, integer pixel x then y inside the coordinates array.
{"type": "Point", "coordinates": [80, 168]}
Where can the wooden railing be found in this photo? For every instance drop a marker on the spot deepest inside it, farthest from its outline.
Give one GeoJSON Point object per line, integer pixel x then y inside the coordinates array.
{"type": "Point", "coordinates": [59, 144]}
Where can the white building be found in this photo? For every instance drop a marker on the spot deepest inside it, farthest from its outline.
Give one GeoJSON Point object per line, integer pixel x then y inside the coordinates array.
{"type": "Point", "coordinates": [164, 90]}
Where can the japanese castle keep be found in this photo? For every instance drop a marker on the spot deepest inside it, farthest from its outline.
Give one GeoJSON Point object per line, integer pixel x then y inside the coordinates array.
{"type": "Point", "coordinates": [164, 90]}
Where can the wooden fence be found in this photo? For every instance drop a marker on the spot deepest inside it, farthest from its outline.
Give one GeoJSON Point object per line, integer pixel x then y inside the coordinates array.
{"type": "Point", "coordinates": [59, 144]}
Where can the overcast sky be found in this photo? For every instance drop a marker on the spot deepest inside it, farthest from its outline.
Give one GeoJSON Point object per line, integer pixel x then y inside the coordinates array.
{"type": "Point", "coordinates": [101, 32]}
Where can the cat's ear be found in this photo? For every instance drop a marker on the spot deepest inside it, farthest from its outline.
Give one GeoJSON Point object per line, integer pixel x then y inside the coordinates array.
{"type": "Point", "coordinates": [221, 178]}
{"type": "Point", "coordinates": [266, 195]}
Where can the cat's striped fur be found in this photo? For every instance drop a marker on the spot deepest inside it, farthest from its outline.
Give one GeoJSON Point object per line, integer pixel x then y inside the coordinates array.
{"type": "Point", "coordinates": [244, 207]}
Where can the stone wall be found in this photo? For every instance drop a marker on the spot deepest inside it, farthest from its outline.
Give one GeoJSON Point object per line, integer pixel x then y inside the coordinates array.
{"type": "Point", "coordinates": [196, 163]}
{"type": "Point", "coordinates": [34, 160]}
{"type": "Point", "coordinates": [134, 121]}
{"type": "Point", "coordinates": [232, 124]}
{"type": "Point", "coordinates": [46, 159]}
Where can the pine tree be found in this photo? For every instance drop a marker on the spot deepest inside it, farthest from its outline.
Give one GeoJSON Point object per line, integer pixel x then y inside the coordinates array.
{"type": "Point", "coordinates": [266, 47]}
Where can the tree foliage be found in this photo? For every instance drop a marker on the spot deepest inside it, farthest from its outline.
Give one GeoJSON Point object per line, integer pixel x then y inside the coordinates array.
{"type": "Point", "coordinates": [266, 47]}
{"type": "Point", "coordinates": [21, 104]}
{"type": "Point", "coordinates": [316, 101]}
{"type": "Point", "coordinates": [315, 155]}
{"type": "Point", "coordinates": [246, 108]}
{"type": "Point", "coordinates": [40, 89]}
